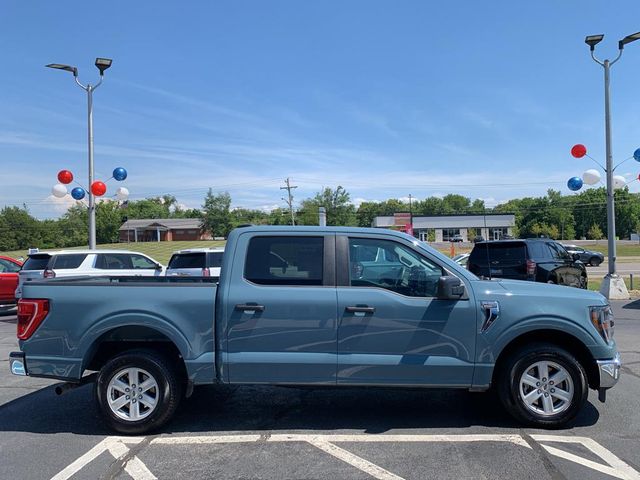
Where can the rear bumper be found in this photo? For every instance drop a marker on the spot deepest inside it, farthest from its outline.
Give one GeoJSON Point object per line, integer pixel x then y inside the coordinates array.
{"type": "Point", "coordinates": [609, 371]}
{"type": "Point", "coordinates": [17, 363]}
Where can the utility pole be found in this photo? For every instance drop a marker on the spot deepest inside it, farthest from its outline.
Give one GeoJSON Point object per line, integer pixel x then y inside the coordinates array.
{"type": "Point", "coordinates": [410, 214]}
{"type": "Point", "coordinates": [289, 199]}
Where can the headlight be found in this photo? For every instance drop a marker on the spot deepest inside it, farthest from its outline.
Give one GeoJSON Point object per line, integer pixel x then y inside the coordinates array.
{"type": "Point", "coordinates": [602, 318]}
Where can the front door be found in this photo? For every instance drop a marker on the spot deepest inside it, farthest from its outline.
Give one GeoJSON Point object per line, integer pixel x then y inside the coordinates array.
{"type": "Point", "coordinates": [393, 330]}
{"type": "Point", "coordinates": [280, 310]}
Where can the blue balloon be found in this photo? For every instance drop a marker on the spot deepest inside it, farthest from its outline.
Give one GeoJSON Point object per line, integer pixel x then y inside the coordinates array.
{"type": "Point", "coordinates": [574, 184]}
{"type": "Point", "coordinates": [636, 155]}
{"type": "Point", "coordinates": [78, 193]}
{"type": "Point", "coordinates": [119, 174]}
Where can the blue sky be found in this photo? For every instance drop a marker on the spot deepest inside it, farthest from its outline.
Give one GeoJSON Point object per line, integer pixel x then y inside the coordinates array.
{"type": "Point", "coordinates": [387, 98]}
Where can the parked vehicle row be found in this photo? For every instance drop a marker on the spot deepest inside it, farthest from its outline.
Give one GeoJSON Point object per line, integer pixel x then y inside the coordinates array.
{"type": "Point", "coordinates": [322, 306]}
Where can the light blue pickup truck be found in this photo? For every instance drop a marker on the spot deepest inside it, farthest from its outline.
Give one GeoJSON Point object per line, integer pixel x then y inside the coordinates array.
{"type": "Point", "coordinates": [318, 306]}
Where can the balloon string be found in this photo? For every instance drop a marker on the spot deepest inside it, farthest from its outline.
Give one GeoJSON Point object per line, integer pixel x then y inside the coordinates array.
{"type": "Point", "coordinates": [597, 162]}
{"type": "Point", "coordinates": [614, 168]}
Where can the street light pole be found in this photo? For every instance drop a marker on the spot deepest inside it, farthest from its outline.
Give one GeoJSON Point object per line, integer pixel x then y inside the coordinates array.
{"type": "Point", "coordinates": [613, 287]}
{"type": "Point", "coordinates": [102, 64]}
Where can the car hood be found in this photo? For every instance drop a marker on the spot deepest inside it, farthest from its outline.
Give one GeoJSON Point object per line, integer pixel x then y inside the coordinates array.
{"type": "Point", "coordinates": [522, 288]}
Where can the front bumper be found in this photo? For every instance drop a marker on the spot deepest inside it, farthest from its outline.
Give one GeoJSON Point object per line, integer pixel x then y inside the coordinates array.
{"type": "Point", "coordinates": [17, 363]}
{"type": "Point", "coordinates": [609, 371]}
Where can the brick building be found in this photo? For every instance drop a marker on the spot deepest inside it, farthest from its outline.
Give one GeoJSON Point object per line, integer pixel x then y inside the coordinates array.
{"type": "Point", "coordinates": [162, 230]}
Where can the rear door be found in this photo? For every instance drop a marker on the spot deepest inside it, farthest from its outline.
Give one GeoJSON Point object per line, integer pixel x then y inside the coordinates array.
{"type": "Point", "coordinates": [280, 310]}
{"type": "Point", "coordinates": [393, 330]}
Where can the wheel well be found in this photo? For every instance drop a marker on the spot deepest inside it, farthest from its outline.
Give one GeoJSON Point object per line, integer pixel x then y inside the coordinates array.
{"type": "Point", "coordinates": [556, 337]}
{"type": "Point", "coordinates": [126, 338]}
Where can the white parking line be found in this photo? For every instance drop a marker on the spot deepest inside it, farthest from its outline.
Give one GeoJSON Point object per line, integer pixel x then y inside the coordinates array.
{"type": "Point", "coordinates": [117, 447]}
{"type": "Point", "coordinates": [355, 461]}
{"type": "Point", "coordinates": [616, 468]}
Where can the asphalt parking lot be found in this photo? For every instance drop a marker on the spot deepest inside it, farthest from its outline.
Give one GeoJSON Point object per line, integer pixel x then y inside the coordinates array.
{"type": "Point", "coordinates": [292, 433]}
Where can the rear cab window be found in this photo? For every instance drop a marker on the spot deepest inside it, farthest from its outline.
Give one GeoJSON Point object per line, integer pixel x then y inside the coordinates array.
{"type": "Point", "coordinates": [282, 260]}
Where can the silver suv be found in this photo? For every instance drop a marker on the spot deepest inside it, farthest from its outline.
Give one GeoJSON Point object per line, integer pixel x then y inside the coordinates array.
{"type": "Point", "coordinates": [196, 262]}
{"type": "Point", "coordinates": [73, 263]}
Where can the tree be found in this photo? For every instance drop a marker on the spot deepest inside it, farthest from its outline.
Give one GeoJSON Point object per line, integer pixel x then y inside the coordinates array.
{"type": "Point", "coordinates": [340, 211]}
{"type": "Point", "coordinates": [216, 215]}
{"type": "Point", "coordinates": [595, 233]}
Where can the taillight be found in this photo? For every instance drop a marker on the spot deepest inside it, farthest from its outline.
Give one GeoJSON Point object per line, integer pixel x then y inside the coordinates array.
{"type": "Point", "coordinates": [531, 268]}
{"type": "Point", "coordinates": [206, 272]}
{"type": "Point", "coordinates": [49, 274]}
{"type": "Point", "coordinates": [31, 313]}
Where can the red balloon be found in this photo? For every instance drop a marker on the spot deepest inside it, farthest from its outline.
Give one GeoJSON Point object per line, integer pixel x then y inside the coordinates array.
{"type": "Point", "coordinates": [578, 150]}
{"type": "Point", "coordinates": [98, 188]}
{"type": "Point", "coordinates": [65, 176]}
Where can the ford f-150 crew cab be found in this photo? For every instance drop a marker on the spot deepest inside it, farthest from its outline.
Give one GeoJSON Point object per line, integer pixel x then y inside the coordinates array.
{"type": "Point", "coordinates": [318, 306]}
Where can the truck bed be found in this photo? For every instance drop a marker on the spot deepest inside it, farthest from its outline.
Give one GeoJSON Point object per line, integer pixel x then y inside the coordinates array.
{"type": "Point", "coordinates": [84, 311]}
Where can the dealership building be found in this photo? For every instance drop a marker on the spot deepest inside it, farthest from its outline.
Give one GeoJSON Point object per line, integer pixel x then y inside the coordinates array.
{"type": "Point", "coordinates": [444, 227]}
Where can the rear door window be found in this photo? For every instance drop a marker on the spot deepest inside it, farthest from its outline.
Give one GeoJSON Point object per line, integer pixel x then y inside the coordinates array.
{"type": "Point", "coordinates": [67, 262]}
{"type": "Point", "coordinates": [36, 262]}
{"type": "Point", "coordinates": [187, 260]}
{"type": "Point", "coordinates": [114, 261]}
{"type": "Point", "coordinates": [285, 260]}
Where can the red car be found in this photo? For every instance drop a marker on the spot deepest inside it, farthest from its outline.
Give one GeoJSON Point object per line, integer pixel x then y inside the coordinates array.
{"type": "Point", "coordinates": [8, 282]}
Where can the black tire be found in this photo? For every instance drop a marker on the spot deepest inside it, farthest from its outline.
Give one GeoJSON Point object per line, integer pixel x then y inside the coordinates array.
{"type": "Point", "coordinates": [511, 393]}
{"type": "Point", "coordinates": [167, 394]}
{"type": "Point", "coordinates": [594, 261]}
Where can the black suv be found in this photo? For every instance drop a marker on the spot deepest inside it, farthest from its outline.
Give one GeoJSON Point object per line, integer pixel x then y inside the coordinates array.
{"type": "Point", "coordinates": [537, 260]}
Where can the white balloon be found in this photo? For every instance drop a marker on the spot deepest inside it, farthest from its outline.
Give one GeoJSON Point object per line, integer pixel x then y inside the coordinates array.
{"type": "Point", "coordinates": [59, 190]}
{"type": "Point", "coordinates": [619, 181]}
{"type": "Point", "coordinates": [591, 177]}
{"type": "Point", "coordinates": [122, 193]}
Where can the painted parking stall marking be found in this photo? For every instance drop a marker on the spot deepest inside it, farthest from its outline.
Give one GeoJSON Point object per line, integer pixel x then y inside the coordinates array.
{"type": "Point", "coordinates": [119, 448]}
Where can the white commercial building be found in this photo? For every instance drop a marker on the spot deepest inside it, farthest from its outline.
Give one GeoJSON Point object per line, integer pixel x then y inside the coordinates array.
{"type": "Point", "coordinates": [444, 227]}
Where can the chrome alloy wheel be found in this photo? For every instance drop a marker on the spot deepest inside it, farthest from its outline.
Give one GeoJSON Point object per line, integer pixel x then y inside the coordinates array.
{"type": "Point", "coordinates": [546, 388]}
{"type": "Point", "coordinates": [132, 394]}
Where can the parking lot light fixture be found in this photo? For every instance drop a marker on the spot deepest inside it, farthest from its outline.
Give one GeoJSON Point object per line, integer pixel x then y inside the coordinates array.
{"type": "Point", "coordinates": [102, 64]}
{"type": "Point", "coordinates": [613, 286]}
{"type": "Point", "coordinates": [67, 68]}
{"type": "Point", "coordinates": [593, 40]}
{"type": "Point", "coordinates": [628, 39]}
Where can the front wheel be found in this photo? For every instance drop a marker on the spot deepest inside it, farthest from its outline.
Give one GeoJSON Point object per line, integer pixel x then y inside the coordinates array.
{"type": "Point", "coordinates": [543, 385]}
{"type": "Point", "coordinates": [595, 261]}
{"type": "Point", "coordinates": [137, 391]}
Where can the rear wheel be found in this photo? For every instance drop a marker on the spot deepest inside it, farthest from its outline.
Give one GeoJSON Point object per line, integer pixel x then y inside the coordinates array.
{"type": "Point", "coordinates": [543, 385]}
{"type": "Point", "coordinates": [138, 391]}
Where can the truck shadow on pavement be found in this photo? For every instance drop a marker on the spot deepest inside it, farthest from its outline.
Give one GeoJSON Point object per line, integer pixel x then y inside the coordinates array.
{"type": "Point", "coordinates": [220, 409]}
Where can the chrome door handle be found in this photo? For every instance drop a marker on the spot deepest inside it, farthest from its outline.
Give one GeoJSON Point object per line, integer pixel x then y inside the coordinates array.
{"type": "Point", "coordinates": [250, 307]}
{"type": "Point", "coordinates": [360, 309]}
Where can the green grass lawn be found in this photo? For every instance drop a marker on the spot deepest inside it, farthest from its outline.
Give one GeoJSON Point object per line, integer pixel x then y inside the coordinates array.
{"type": "Point", "coordinates": [160, 251]}
{"type": "Point", "coordinates": [594, 283]}
{"type": "Point", "coordinates": [622, 249]}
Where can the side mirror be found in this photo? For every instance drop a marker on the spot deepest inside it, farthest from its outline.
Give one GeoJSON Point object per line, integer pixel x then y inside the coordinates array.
{"type": "Point", "coordinates": [159, 267]}
{"type": "Point", "coordinates": [575, 256]}
{"type": "Point", "coordinates": [450, 287]}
